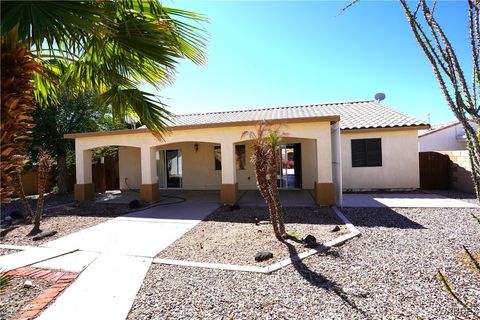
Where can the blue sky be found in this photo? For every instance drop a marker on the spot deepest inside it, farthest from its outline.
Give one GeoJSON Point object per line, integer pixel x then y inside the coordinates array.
{"type": "Point", "coordinates": [278, 53]}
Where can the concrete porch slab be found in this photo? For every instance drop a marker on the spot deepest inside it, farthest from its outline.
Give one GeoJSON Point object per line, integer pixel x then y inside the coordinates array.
{"type": "Point", "coordinates": [288, 198]}
{"type": "Point", "coordinates": [105, 290]}
{"type": "Point", "coordinates": [403, 200]}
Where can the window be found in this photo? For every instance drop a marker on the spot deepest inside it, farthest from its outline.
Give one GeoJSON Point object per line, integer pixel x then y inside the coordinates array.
{"type": "Point", "coordinates": [367, 152]}
{"type": "Point", "coordinates": [217, 151]}
{"type": "Point", "coordinates": [240, 156]}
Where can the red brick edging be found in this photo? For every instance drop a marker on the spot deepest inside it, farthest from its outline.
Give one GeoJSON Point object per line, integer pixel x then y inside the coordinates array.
{"type": "Point", "coordinates": [61, 280]}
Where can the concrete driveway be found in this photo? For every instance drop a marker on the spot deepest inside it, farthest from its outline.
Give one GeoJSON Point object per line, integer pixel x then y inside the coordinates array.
{"type": "Point", "coordinates": [403, 200]}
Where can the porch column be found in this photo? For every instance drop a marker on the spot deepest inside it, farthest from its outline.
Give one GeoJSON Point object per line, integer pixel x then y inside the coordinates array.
{"type": "Point", "coordinates": [149, 191]}
{"type": "Point", "coordinates": [229, 188]}
{"type": "Point", "coordinates": [84, 188]}
{"type": "Point", "coordinates": [324, 187]}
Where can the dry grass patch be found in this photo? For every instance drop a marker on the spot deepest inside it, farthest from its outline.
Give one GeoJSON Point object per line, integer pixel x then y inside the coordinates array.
{"type": "Point", "coordinates": [233, 237]}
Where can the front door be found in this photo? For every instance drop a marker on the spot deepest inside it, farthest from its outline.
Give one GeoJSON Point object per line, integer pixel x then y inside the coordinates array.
{"type": "Point", "coordinates": [174, 168]}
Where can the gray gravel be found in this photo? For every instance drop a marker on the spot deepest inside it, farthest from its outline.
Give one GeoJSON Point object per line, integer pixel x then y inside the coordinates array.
{"type": "Point", "coordinates": [15, 296]}
{"type": "Point", "coordinates": [388, 273]}
{"type": "Point", "coordinates": [7, 251]}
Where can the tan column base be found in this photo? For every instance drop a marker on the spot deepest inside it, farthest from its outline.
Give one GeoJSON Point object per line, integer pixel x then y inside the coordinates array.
{"type": "Point", "coordinates": [229, 193]}
{"type": "Point", "coordinates": [324, 194]}
{"type": "Point", "coordinates": [149, 192]}
{"type": "Point", "coordinates": [84, 192]}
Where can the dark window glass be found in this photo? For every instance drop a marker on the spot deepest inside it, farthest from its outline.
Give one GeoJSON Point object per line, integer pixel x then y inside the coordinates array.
{"type": "Point", "coordinates": [367, 152]}
{"type": "Point", "coordinates": [240, 156]}
{"type": "Point", "coordinates": [217, 151]}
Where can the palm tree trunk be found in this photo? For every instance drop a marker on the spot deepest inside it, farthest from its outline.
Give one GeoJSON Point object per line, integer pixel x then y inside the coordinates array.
{"type": "Point", "coordinates": [18, 186]}
{"type": "Point", "coordinates": [43, 170]}
{"type": "Point", "coordinates": [62, 173]}
{"type": "Point", "coordinates": [264, 188]}
{"type": "Point", "coordinates": [17, 68]}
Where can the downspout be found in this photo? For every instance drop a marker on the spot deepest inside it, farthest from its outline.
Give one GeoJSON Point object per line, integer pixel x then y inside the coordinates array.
{"type": "Point", "coordinates": [337, 163]}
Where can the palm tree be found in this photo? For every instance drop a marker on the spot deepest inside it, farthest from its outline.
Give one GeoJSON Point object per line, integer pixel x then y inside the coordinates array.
{"type": "Point", "coordinates": [112, 47]}
{"type": "Point", "coordinates": [266, 160]}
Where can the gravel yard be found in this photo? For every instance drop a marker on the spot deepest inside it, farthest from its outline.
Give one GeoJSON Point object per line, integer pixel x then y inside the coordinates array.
{"type": "Point", "coordinates": [15, 296]}
{"type": "Point", "coordinates": [233, 237]}
{"type": "Point", "coordinates": [65, 219]}
{"type": "Point", "coordinates": [7, 251]}
{"type": "Point", "coordinates": [388, 273]}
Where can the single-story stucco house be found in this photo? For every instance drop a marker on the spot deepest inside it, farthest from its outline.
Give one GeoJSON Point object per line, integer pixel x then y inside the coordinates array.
{"type": "Point", "coordinates": [330, 147]}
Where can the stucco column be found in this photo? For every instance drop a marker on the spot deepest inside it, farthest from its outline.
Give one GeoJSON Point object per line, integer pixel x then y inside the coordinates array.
{"type": "Point", "coordinates": [324, 187]}
{"type": "Point", "coordinates": [149, 191]}
{"type": "Point", "coordinates": [229, 188]}
{"type": "Point", "coordinates": [84, 188]}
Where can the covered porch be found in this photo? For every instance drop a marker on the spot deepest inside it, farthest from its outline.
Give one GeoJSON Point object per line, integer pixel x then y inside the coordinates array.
{"type": "Point", "coordinates": [214, 158]}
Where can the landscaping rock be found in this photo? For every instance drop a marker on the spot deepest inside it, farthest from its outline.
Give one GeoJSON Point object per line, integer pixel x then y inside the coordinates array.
{"type": "Point", "coordinates": [134, 204]}
{"type": "Point", "coordinates": [45, 234]}
{"type": "Point", "coordinates": [309, 241]}
{"type": "Point", "coordinates": [335, 229]}
{"type": "Point", "coordinates": [28, 284]}
{"type": "Point", "coordinates": [263, 255]}
{"type": "Point", "coordinates": [259, 222]}
{"type": "Point", "coordinates": [17, 215]}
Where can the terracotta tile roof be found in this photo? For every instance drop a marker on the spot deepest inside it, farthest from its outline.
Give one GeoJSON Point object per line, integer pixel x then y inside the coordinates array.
{"type": "Point", "coordinates": [353, 115]}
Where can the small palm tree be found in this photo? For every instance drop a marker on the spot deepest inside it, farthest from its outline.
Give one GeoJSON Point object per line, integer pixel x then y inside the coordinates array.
{"type": "Point", "coordinates": [266, 159]}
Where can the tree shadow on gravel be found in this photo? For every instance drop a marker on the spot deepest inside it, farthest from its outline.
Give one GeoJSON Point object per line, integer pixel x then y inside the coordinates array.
{"type": "Point", "coordinates": [318, 280]}
{"type": "Point", "coordinates": [380, 217]}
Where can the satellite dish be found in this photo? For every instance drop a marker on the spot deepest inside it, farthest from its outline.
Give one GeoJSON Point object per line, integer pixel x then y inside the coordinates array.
{"type": "Point", "coordinates": [379, 96]}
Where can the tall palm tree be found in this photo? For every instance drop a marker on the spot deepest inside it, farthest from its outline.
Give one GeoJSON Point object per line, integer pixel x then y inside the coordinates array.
{"type": "Point", "coordinates": [112, 47]}
{"type": "Point", "coordinates": [266, 160]}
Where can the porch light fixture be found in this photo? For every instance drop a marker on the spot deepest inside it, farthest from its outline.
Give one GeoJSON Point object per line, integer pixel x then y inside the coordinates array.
{"type": "Point", "coordinates": [195, 146]}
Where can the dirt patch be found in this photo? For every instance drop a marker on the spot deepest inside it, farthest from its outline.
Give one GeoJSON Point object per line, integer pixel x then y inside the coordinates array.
{"type": "Point", "coordinates": [15, 296]}
{"type": "Point", "coordinates": [65, 220]}
{"type": "Point", "coordinates": [233, 237]}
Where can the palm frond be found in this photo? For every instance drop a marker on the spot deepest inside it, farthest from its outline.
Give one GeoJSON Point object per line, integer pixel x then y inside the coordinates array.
{"type": "Point", "coordinates": [150, 110]}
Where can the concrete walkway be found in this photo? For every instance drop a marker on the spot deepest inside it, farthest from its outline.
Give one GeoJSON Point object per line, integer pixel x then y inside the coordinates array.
{"type": "Point", "coordinates": [403, 200]}
{"type": "Point", "coordinates": [118, 254]}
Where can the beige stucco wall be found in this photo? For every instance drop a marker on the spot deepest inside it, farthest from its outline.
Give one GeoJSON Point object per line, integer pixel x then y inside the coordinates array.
{"type": "Point", "coordinates": [198, 166]}
{"type": "Point", "coordinates": [129, 167]}
{"type": "Point", "coordinates": [400, 167]}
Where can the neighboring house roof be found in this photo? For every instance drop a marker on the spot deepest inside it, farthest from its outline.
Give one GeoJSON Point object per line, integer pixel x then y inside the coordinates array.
{"type": "Point", "coordinates": [438, 127]}
{"type": "Point", "coordinates": [353, 115]}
